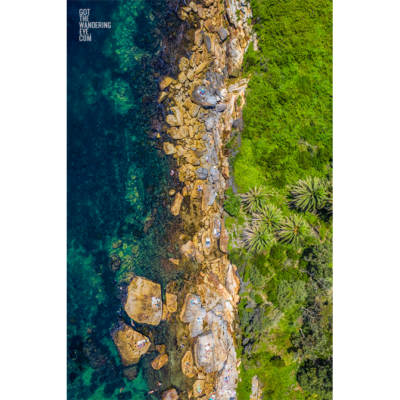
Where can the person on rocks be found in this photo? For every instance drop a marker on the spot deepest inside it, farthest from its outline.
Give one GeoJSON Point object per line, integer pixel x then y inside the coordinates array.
{"type": "Point", "coordinates": [199, 188]}
{"type": "Point", "coordinates": [172, 172]}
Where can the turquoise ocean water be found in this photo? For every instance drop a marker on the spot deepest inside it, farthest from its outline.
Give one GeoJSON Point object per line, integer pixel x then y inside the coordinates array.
{"type": "Point", "coordinates": [117, 180]}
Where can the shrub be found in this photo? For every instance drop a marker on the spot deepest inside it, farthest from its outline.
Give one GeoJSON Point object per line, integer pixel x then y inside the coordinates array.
{"type": "Point", "coordinates": [232, 204]}
{"type": "Point", "coordinates": [316, 378]}
{"type": "Point", "coordinates": [289, 294]}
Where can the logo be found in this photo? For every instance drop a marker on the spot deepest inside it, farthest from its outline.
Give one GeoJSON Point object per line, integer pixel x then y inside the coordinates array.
{"type": "Point", "coordinates": [85, 25]}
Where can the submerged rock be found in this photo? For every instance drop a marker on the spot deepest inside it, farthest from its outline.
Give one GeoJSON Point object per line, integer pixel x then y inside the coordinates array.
{"type": "Point", "coordinates": [131, 373]}
{"type": "Point", "coordinates": [131, 345]}
{"type": "Point", "coordinates": [114, 262]}
{"type": "Point", "coordinates": [144, 303]}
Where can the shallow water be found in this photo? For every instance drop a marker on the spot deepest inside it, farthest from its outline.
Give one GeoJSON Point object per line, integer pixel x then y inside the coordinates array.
{"type": "Point", "coordinates": [116, 181]}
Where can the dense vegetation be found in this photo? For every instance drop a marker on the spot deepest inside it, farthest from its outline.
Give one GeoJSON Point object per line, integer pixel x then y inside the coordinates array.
{"type": "Point", "coordinates": [280, 222]}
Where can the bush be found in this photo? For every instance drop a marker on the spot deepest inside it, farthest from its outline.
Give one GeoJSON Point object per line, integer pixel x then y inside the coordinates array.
{"type": "Point", "coordinates": [316, 378]}
{"type": "Point", "coordinates": [232, 204]}
{"type": "Point", "coordinates": [290, 293]}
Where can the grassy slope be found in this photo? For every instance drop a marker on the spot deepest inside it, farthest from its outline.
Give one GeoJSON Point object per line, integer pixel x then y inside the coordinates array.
{"type": "Point", "coordinates": [287, 136]}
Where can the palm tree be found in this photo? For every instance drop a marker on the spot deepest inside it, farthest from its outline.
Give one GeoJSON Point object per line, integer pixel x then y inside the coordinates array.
{"type": "Point", "coordinates": [254, 199]}
{"type": "Point", "coordinates": [309, 194]}
{"type": "Point", "coordinates": [257, 238]}
{"type": "Point", "coordinates": [293, 229]}
{"type": "Point", "coordinates": [270, 216]}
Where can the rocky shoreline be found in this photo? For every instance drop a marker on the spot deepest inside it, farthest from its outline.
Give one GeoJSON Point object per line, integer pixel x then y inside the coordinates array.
{"type": "Point", "coordinates": [202, 98]}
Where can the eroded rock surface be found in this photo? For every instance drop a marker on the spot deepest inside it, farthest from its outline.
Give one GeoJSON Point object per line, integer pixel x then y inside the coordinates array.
{"type": "Point", "coordinates": [131, 345]}
{"type": "Point", "coordinates": [144, 304]}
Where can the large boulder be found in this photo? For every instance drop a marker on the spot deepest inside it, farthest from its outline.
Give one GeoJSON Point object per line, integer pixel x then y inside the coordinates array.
{"type": "Point", "coordinates": [131, 345]}
{"type": "Point", "coordinates": [191, 307]}
{"type": "Point", "coordinates": [202, 173]}
{"type": "Point", "coordinates": [144, 303]}
{"type": "Point", "coordinates": [203, 96]}
{"type": "Point", "coordinates": [209, 296]}
{"type": "Point", "coordinates": [159, 361]}
{"type": "Point", "coordinates": [203, 351]}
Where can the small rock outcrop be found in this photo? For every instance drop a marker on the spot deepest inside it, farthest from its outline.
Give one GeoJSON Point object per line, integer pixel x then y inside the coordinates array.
{"type": "Point", "coordinates": [159, 361]}
{"type": "Point", "coordinates": [176, 205]}
{"type": "Point", "coordinates": [131, 345]}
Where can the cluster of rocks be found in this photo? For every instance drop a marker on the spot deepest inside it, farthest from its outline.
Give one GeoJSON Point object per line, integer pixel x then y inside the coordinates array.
{"type": "Point", "coordinates": [201, 105]}
{"type": "Point", "coordinates": [202, 101]}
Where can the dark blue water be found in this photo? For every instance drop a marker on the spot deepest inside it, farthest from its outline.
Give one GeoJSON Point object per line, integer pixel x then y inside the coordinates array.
{"type": "Point", "coordinates": [117, 180]}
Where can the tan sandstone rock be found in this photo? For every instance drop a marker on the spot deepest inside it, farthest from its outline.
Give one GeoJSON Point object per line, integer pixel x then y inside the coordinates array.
{"type": "Point", "coordinates": [159, 361]}
{"type": "Point", "coordinates": [166, 82]}
{"type": "Point", "coordinates": [224, 238]}
{"type": "Point", "coordinates": [139, 304]}
{"type": "Point", "coordinates": [176, 205]}
{"type": "Point", "coordinates": [199, 388]}
{"type": "Point", "coordinates": [183, 64]}
{"type": "Point", "coordinates": [187, 364]}
{"type": "Point", "coordinates": [170, 395]}
{"type": "Point", "coordinates": [160, 348]}
{"type": "Point", "coordinates": [169, 148]}
{"type": "Point", "coordinates": [172, 303]}
{"type": "Point", "coordinates": [131, 345]}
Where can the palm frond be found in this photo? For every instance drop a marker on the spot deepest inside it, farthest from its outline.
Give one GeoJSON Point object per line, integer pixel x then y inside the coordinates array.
{"type": "Point", "coordinates": [270, 216]}
{"type": "Point", "coordinates": [309, 194]}
{"type": "Point", "coordinates": [293, 229]}
{"type": "Point", "coordinates": [257, 238]}
{"type": "Point", "coordinates": [254, 199]}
